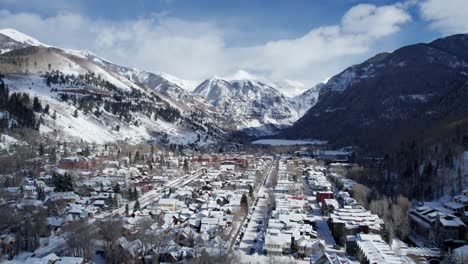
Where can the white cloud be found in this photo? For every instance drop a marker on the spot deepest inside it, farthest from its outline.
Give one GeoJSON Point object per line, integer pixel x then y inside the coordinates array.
{"type": "Point", "coordinates": [446, 16]}
{"type": "Point", "coordinates": [194, 49]}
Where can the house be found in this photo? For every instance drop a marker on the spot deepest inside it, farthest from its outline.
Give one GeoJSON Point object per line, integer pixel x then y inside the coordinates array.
{"type": "Point", "coordinates": [372, 249]}
{"type": "Point", "coordinates": [277, 243]}
{"type": "Point", "coordinates": [204, 159]}
{"type": "Point", "coordinates": [455, 207]}
{"type": "Point", "coordinates": [462, 199]}
{"type": "Point", "coordinates": [345, 199]}
{"type": "Point", "coordinates": [438, 221]}
{"type": "Point", "coordinates": [77, 162]}
{"type": "Point", "coordinates": [305, 246]}
{"type": "Point", "coordinates": [321, 196]}
{"type": "Point", "coordinates": [130, 249]}
{"type": "Point", "coordinates": [212, 225]}
{"type": "Point", "coordinates": [353, 220]}
{"type": "Point", "coordinates": [449, 227]}
{"type": "Point", "coordinates": [186, 237]}
{"type": "Point", "coordinates": [29, 192]}
{"type": "Point", "coordinates": [169, 204]}
{"type": "Point", "coordinates": [329, 205]}
{"type": "Point", "coordinates": [227, 166]}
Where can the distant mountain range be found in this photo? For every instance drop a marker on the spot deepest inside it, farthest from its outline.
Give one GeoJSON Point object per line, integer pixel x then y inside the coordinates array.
{"type": "Point", "coordinates": [381, 101]}
{"type": "Point", "coordinates": [206, 112]}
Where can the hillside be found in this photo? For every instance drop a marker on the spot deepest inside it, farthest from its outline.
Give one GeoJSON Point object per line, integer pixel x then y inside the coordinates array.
{"type": "Point", "coordinates": [241, 103]}
{"type": "Point", "coordinates": [255, 105]}
{"type": "Point", "coordinates": [391, 96]}
{"type": "Point", "coordinates": [92, 102]}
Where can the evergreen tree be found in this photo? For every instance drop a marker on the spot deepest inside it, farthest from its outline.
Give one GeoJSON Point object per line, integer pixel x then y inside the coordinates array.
{"type": "Point", "coordinates": [62, 183]}
{"type": "Point", "coordinates": [53, 155]}
{"type": "Point", "coordinates": [136, 207]}
{"type": "Point", "coordinates": [75, 114]}
{"type": "Point", "coordinates": [68, 182]}
{"type": "Point", "coordinates": [186, 166]}
{"type": "Point", "coordinates": [137, 155]}
{"type": "Point", "coordinates": [65, 150]}
{"type": "Point", "coordinates": [86, 151]}
{"type": "Point", "coordinates": [37, 107]}
{"type": "Point", "coordinates": [41, 149]}
{"type": "Point", "coordinates": [109, 200]}
{"type": "Point", "coordinates": [117, 188]}
{"type": "Point", "coordinates": [46, 109]}
{"type": "Point", "coordinates": [130, 194]}
{"type": "Point", "coordinates": [126, 209]}
{"type": "Point", "coordinates": [244, 202]}
{"type": "Point", "coordinates": [40, 194]}
{"type": "Point", "coordinates": [54, 115]}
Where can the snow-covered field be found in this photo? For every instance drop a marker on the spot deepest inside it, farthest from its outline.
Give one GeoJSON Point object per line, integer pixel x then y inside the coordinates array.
{"type": "Point", "coordinates": [287, 142]}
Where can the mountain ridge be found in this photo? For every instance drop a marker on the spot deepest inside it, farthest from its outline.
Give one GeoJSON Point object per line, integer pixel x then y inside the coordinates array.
{"type": "Point", "coordinates": [390, 95]}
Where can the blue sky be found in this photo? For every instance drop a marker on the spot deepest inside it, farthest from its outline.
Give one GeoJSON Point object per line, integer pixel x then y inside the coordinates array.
{"type": "Point", "coordinates": [302, 40]}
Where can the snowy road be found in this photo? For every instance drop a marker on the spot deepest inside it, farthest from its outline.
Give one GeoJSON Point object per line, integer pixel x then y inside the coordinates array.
{"type": "Point", "coordinates": [253, 235]}
{"type": "Point", "coordinates": [324, 232]}
{"type": "Point", "coordinates": [322, 227]}
{"type": "Point", "coordinates": [253, 229]}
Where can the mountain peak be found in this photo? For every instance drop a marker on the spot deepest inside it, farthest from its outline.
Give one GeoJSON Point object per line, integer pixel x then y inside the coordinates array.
{"type": "Point", "coordinates": [242, 75]}
{"type": "Point", "coordinates": [290, 88]}
{"type": "Point", "coordinates": [20, 37]}
{"type": "Point", "coordinates": [215, 77]}
{"type": "Point", "coordinates": [188, 85]}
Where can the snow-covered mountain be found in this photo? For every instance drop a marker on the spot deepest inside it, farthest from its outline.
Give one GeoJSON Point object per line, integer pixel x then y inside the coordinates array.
{"type": "Point", "coordinates": [98, 101]}
{"type": "Point", "coordinates": [416, 91]}
{"type": "Point", "coordinates": [217, 106]}
{"type": "Point", "coordinates": [290, 88]}
{"type": "Point", "coordinates": [188, 85]}
{"type": "Point", "coordinates": [304, 101]}
{"type": "Point", "coordinates": [11, 39]}
{"type": "Point", "coordinates": [254, 103]}
{"type": "Point", "coordinates": [20, 37]}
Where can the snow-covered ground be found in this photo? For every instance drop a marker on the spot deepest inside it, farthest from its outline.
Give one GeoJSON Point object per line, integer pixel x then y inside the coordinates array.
{"type": "Point", "coordinates": [7, 141]}
{"type": "Point", "coordinates": [261, 259]}
{"type": "Point", "coordinates": [252, 238]}
{"type": "Point", "coordinates": [287, 142]}
{"type": "Point", "coordinates": [322, 227]}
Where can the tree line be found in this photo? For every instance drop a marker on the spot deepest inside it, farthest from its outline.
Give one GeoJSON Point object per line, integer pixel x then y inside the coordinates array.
{"type": "Point", "coordinates": [17, 107]}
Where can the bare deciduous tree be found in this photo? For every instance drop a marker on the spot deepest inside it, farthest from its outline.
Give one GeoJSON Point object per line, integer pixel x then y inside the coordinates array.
{"type": "Point", "coordinates": [156, 240]}
{"type": "Point", "coordinates": [361, 194]}
{"type": "Point", "coordinates": [80, 237]}
{"type": "Point", "coordinates": [110, 232]}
